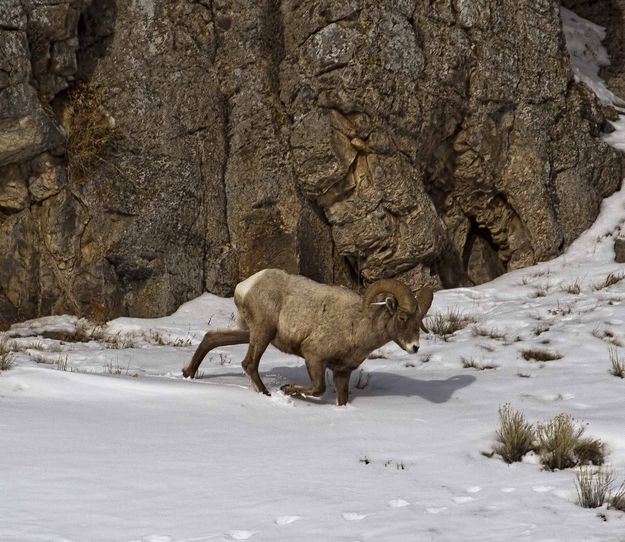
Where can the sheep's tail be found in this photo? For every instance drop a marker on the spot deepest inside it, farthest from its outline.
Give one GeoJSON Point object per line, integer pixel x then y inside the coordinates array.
{"type": "Point", "coordinates": [213, 339]}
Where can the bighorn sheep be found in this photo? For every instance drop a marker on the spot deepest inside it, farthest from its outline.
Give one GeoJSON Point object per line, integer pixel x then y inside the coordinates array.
{"type": "Point", "coordinates": [329, 326]}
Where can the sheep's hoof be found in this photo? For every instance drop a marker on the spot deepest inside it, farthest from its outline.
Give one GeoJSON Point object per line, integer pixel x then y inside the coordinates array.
{"type": "Point", "coordinates": [187, 374]}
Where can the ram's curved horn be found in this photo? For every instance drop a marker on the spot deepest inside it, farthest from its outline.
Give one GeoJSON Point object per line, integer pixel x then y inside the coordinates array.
{"type": "Point", "coordinates": [405, 298]}
{"type": "Point", "coordinates": [424, 300]}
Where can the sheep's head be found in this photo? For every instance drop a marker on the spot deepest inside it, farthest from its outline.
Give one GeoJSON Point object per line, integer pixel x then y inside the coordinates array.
{"type": "Point", "coordinates": [406, 311]}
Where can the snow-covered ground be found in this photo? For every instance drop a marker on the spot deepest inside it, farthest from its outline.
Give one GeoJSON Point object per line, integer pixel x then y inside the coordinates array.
{"type": "Point", "coordinates": [105, 441]}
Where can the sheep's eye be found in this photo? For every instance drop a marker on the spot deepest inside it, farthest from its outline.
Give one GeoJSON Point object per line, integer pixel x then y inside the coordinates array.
{"type": "Point", "coordinates": [402, 317]}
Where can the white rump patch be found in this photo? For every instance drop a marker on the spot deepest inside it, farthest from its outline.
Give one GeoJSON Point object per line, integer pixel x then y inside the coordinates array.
{"type": "Point", "coordinates": [244, 286]}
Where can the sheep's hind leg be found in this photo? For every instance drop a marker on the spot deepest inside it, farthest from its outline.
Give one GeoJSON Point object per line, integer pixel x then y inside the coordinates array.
{"type": "Point", "coordinates": [211, 340]}
{"type": "Point", "coordinates": [252, 359]}
{"type": "Point", "coordinates": [317, 373]}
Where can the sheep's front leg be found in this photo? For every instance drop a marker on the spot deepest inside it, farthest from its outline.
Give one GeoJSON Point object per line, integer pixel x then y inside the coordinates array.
{"type": "Point", "coordinates": [317, 373]}
{"type": "Point", "coordinates": [341, 383]}
{"type": "Point", "coordinates": [258, 345]}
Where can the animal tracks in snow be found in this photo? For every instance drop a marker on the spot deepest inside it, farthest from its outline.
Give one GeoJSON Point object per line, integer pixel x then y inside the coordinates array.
{"type": "Point", "coordinates": [241, 535]}
{"type": "Point", "coordinates": [353, 516]}
{"type": "Point", "coordinates": [286, 520]}
{"type": "Point", "coordinates": [398, 503]}
{"type": "Point", "coordinates": [543, 489]}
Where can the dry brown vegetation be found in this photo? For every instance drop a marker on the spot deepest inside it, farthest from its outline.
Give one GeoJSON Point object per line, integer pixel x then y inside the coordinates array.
{"type": "Point", "coordinates": [610, 280]}
{"type": "Point", "coordinates": [447, 323]}
{"type": "Point", "coordinates": [91, 132]}
{"type": "Point", "coordinates": [607, 336]}
{"type": "Point", "coordinates": [561, 445]}
{"type": "Point", "coordinates": [6, 355]}
{"type": "Point", "coordinates": [559, 442]}
{"type": "Point", "coordinates": [572, 288]}
{"type": "Point", "coordinates": [491, 333]}
{"type": "Point", "coordinates": [593, 486]}
{"type": "Point", "coordinates": [471, 363]}
{"type": "Point", "coordinates": [617, 499]}
{"type": "Point", "coordinates": [515, 435]}
{"type": "Point", "coordinates": [618, 363]}
{"type": "Point", "coordinates": [537, 354]}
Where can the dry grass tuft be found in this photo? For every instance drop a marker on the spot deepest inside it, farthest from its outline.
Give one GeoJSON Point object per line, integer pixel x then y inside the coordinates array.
{"type": "Point", "coordinates": [515, 435]}
{"type": "Point", "coordinates": [572, 288]}
{"type": "Point", "coordinates": [561, 445]}
{"type": "Point", "coordinates": [617, 499]}
{"type": "Point", "coordinates": [447, 323]}
{"type": "Point", "coordinates": [536, 354]}
{"type": "Point", "coordinates": [593, 486]}
{"type": "Point", "coordinates": [6, 354]}
{"type": "Point", "coordinates": [156, 337]}
{"type": "Point", "coordinates": [62, 363]}
{"type": "Point", "coordinates": [607, 336]}
{"type": "Point", "coordinates": [618, 363]}
{"type": "Point", "coordinates": [610, 280]}
{"type": "Point", "coordinates": [561, 310]}
{"type": "Point", "coordinates": [471, 363]}
{"type": "Point", "coordinates": [115, 368]}
{"type": "Point", "coordinates": [539, 329]}
{"type": "Point", "coordinates": [492, 333]}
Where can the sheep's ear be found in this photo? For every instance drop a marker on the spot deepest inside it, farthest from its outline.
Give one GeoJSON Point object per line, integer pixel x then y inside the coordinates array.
{"type": "Point", "coordinates": [391, 304]}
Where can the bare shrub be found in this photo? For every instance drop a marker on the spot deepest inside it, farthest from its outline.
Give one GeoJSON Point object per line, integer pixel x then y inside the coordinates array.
{"type": "Point", "coordinates": [536, 354]}
{"type": "Point", "coordinates": [515, 435]}
{"type": "Point", "coordinates": [92, 132]}
{"type": "Point", "coordinates": [561, 445]}
{"type": "Point", "coordinates": [593, 486]}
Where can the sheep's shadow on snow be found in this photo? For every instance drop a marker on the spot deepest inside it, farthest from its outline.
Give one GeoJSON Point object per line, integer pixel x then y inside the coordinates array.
{"type": "Point", "coordinates": [381, 384]}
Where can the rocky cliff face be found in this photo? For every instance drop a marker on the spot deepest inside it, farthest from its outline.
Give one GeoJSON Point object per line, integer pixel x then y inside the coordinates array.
{"type": "Point", "coordinates": [348, 141]}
